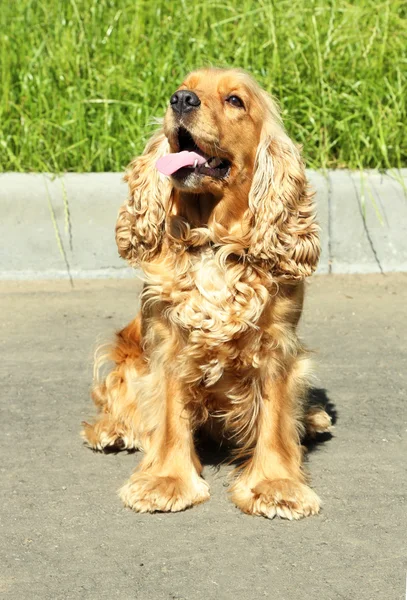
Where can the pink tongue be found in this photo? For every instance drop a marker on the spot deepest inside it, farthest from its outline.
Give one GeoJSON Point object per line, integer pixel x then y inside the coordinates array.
{"type": "Point", "coordinates": [167, 165]}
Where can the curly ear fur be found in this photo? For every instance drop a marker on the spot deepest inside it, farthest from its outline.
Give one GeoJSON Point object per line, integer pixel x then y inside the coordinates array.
{"type": "Point", "coordinates": [285, 232]}
{"type": "Point", "coordinates": [140, 223]}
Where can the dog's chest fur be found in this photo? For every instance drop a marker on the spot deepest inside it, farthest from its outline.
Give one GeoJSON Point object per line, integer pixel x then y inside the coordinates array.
{"type": "Point", "coordinates": [216, 307]}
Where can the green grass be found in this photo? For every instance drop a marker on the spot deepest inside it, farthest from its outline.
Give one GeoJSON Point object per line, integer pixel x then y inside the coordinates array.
{"type": "Point", "coordinates": [82, 79]}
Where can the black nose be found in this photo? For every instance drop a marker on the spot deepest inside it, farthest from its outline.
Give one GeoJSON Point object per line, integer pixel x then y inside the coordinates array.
{"type": "Point", "coordinates": [184, 101]}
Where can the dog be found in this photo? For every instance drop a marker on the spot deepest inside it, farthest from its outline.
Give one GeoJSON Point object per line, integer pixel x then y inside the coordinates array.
{"type": "Point", "coordinates": [221, 221]}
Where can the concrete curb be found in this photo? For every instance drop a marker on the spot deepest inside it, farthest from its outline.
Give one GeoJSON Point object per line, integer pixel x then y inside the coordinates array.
{"type": "Point", "coordinates": [59, 227]}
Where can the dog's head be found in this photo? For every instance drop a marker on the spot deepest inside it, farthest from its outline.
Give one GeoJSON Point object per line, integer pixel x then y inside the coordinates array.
{"type": "Point", "coordinates": [222, 162]}
{"type": "Point", "coordinates": [217, 116]}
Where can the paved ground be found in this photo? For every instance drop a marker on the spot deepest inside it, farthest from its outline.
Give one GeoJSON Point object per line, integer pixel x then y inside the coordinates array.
{"type": "Point", "coordinates": [64, 534]}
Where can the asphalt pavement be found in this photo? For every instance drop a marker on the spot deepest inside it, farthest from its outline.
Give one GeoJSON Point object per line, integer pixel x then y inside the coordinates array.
{"type": "Point", "coordinates": [63, 531]}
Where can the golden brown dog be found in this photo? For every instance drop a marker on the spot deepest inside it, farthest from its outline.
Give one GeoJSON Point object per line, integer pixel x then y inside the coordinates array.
{"type": "Point", "coordinates": [225, 238]}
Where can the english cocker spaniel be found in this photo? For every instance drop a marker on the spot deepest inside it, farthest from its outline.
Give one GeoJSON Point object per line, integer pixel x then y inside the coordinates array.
{"type": "Point", "coordinates": [221, 221]}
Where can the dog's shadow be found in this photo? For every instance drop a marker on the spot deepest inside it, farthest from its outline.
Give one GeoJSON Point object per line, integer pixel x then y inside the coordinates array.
{"type": "Point", "coordinates": [216, 454]}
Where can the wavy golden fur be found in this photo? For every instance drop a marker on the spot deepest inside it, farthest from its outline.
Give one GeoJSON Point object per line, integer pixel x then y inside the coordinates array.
{"type": "Point", "coordinates": [224, 251]}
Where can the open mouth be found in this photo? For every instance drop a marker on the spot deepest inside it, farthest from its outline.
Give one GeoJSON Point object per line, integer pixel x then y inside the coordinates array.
{"type": "Point", "coordinates": [191, 159]}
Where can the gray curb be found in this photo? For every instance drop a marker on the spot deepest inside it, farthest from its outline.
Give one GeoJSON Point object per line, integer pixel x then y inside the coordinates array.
{"type": "Point", "coordinates": [52, 225]}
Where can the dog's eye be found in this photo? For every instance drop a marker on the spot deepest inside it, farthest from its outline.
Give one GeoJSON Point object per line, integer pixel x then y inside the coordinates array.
{"type": "Point", "coordinates": [235, 101]}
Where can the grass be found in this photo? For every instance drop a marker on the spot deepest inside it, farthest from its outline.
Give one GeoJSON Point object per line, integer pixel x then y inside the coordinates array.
{"type": "Point", "coordinates": [81, 79]}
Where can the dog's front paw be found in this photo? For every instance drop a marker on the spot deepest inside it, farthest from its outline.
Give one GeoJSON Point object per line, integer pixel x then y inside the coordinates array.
{"type": "Point", "coordinates": [146, 492]}
{"type": "Point", "coordinates": [285, 498]}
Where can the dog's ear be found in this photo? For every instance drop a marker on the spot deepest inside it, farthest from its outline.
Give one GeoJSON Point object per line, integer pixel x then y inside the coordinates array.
{"type": "Point", "coordinates": [284, 229]}
{"type": "Point", "coordinates": [141, 220]}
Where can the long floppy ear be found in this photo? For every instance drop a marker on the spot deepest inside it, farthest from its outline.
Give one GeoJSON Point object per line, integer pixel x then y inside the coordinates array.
{"type": "Point", "coordinates": [284, 229]}
{"type": "Point", "coordinates": [140, 223]}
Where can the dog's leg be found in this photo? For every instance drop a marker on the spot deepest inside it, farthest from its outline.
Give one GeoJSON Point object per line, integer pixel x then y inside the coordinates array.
{"type": "Point", "coordinates": [273, 482]}
{"type": "Point", "coordinates": [118, 422]}
{"type": "Point", "coordinates": [168, 479]}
